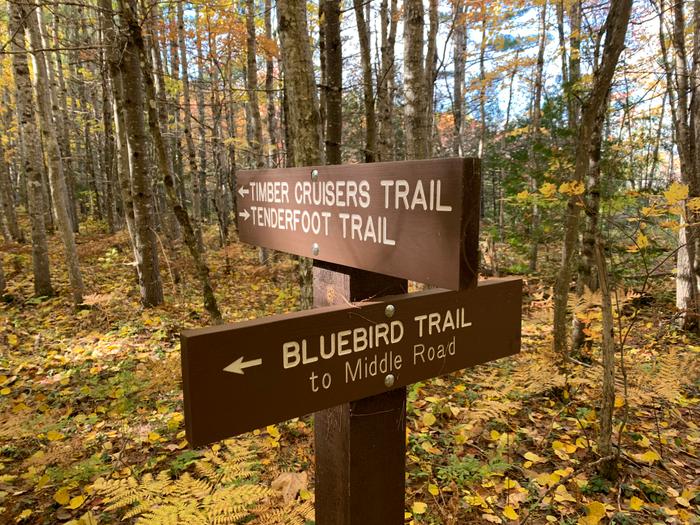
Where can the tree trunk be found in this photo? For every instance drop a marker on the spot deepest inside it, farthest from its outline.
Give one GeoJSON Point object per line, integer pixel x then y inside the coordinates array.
{"type": "Point", "coordinates": [7, 201]}
{"type": "Point", "coordinates": [535, 138]}
{"type": "Point", "coordinates": [187, 127]}
{"type": "Point", "coordinates": [31, 146]}
{"type": "Point", "coordinates": [431, 72]}
{"type": "Point", "coordinates": [417, 130]}
{"type": "Point", "coordinates": [334, 82]}
{"type": "Point", "coordinates": [608, 468]}
{"type": "Point", "coordinates": [256, 146]}
{"type": "Point", "coordinates": [201, 110]}
{"type": "Point", "coordinates": [685, 110]}
{"type": "Point", "coordinates": [385, 83]}
{"type": "Point", "coordinates": [272, 122]}
{"type": "Point", "coordinates": [302, 109]}
{"type": "Point", "coordinates": [460, 56]}
{"type": "Point", "coordinates": [136, 42]}
{"type": "Point", "coordinates": [616, 29]}
{"type": "Point", "coordinates": [367, 86]}
{"type": "Point", "coordinates": [591, 204]}
{"type": "Point", "coordinates": [142, 190]}
{"type": "Point", "coordinates": [59, 93]}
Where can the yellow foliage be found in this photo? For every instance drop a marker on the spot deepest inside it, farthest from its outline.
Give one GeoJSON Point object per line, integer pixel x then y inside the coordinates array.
{"type": "Point", "coordinates": [572, 188]}
{"type": "Point", "coordinates": [676, 192]}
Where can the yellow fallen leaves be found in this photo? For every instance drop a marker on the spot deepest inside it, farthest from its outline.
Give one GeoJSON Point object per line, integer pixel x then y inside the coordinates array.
{"type": "Point", "coordinates": [650, 456]}
{"type": "Point", "coordinates": [419, 507]}
{"type": "Point", "coordinates": [429, 419]}
{"type": "Point", "coordinates": [595, 511]}
{"type": "Point", "coordinates": [53, 435]}
{"type": "Point", "coordinates": [62, 497]}
{"type": "Point", "coordinates": [509, 512]}
{"type": "Point", "coordinates": [636, 503]}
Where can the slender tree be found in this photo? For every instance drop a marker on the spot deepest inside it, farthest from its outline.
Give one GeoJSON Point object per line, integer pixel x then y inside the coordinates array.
{"type": "Point", "coordinates": [59, 191]}
{"type": "Point", "coordinates": [303, 120]}
{"type": "Point", "coordinates": [615, 31]}
{"type": "Point", "coordinates": [30, 145]}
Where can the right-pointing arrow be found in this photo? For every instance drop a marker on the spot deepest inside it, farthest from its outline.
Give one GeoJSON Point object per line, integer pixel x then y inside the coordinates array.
{"type": "Point", "coordinates": [244, 214]}
{"type": "Point", "coordinates": [239, 366]}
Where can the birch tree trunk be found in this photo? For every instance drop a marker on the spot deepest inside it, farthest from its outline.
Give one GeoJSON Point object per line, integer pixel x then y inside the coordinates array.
{"type": "Point", "coordinates": [616, 28]}
{"type": "Point", "coordinates": [187, 127]}
{"type": "Point", "coordinates": [201, 110]}
{"type": "Point", "coordinates": [272, 121]}
{"type": "Point", "coordinates": [684, 88]}
{"type": "Point", "coordinates": [252, 86]}
{"type": "Point", "coordinates": [302, 110]}
{"type": "Point", "coordinates": [59, 191]}
{"type": "Point", "coordinates": [7, 201]}
{"type": "Point", "coordinates": [30, 146]}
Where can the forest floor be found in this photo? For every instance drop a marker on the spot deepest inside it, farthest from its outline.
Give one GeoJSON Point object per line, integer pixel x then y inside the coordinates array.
{"type": "Point", "coordinates": [91, 425]}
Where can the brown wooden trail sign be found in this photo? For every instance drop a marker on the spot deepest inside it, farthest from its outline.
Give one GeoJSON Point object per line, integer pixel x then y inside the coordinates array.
{"type": "Point", "coordinates": [394, 218]}
{"type": "Point", "coordinates": [247, 375]}
{"type": "Point", "coordinates": [414, 220]}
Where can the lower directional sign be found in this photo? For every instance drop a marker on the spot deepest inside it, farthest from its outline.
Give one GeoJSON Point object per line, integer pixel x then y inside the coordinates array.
{"type": "Point", "coordinates": [247, 375]}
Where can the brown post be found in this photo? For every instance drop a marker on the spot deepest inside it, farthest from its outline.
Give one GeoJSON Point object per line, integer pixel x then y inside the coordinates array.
{"type": "Point", "coordinates": [360, 446]}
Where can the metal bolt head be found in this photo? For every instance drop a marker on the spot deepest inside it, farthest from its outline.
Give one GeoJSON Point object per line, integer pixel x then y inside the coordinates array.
{"type": "Point", "coordinates": [314, 174]}
{"type": "Point", "coordinates": [390, 310]}
{"type": "Point", "coordinates": [389, 380]}
{"type": "Point", "coordinates": [315, 249]}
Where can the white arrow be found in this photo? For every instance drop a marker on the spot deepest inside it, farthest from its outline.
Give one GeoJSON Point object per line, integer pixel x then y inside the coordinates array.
{"type": "Point", "coordinates": [238, 366]}
{"type": "Point", "coordinates": [242, 191]}
{"type": "Point", "coordinates": [244, 214]}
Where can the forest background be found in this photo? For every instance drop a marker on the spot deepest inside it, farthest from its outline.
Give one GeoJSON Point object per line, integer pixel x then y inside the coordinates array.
{"type": "Point", "coordinates": [123, 124]}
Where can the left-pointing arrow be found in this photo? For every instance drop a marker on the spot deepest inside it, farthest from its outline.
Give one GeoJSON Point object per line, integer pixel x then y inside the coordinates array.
{"type": "Point", "coordinates": [245, 214]}
{"type": "Point", "coordinates": [238, 366]}
{"type": "Point", "coordinates": [242, 191]}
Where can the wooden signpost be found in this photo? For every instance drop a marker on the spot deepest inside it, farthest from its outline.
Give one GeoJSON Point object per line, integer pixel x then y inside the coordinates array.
{"type": "Point", "coordinates": [352, 357]}
{"type": "Point", "coordinates": [416, 220]}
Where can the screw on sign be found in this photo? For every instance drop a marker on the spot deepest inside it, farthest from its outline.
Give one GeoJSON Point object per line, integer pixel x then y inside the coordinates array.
{"type": "Point", "coordinates": [351, 358]}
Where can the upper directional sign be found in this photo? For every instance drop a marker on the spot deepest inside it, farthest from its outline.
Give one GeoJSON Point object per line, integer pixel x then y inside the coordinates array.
{"type": "Point", "coordinates": [416, 219]}
{"type": "Point", "coordinates": [244, 376]}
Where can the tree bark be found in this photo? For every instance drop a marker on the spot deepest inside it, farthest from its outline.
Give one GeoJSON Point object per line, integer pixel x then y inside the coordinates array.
{"type": "Point", "coordinates": [616, 29]}
{"type": "Point", "coordinates": [385, 83]}
{"type": "Point", "coordinates": [135, 40]}
{"type": "Point", "coordinates": [608, 468]}
{"type": "Point", "coordinates": [417, 131]}
{"type": "Point", "coordinates": [31, 146]}
{"type": "Point", "coordinates": [302, 109]}
{"type": "Point", "coordinates": [460, 56]}
{"type": "Point", "coordinates": [137, 141]}
{"type": "Point", "coordinates": [272, 121]}
{"type": "Point", "coordinates": [535, 138]}
{"type": "Point", "coordinates": [370, 149]}
{"type": "Point", "coordinates": [7, 202]}
{"type": "Point", "coordinates": [187, 127]}
{"type": "Point", "coordinates": [252, 86]}
{"type": "Point", "coordinates": [334, 82]}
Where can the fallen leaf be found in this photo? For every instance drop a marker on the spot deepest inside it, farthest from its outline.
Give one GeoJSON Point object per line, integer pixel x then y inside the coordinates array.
{"type": "Point", "coordinates": [419, 507]}
{"type": "Point", "coordinates": [509, 512]}
{"type": "Point", "coordinates": [289, 484]}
